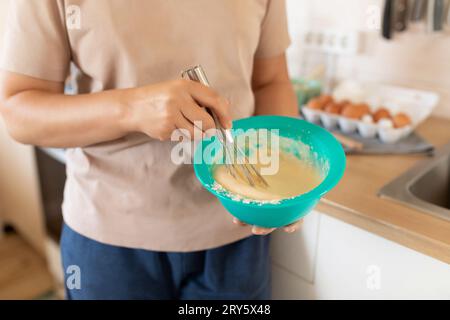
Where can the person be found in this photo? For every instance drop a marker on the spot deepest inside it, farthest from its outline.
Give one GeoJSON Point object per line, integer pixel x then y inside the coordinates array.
{"type": "Point", "coordinates": [138, 226]}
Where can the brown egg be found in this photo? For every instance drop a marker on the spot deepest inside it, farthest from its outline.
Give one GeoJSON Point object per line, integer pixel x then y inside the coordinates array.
{"type": "Point", "coordinates": [354, 111]}
{"type": "Point", "coordinates": [343, 103]}
{"type": "Point", "coordinates": [381, 113]}
{"type": "Point", "coordinates": [315, 104]}
{"type": "Point", "coordinates": [333, 108]}
{"type": "Point", "coordinates": [325, 99]}
{"type": "Point", "coordinates": [363, 107]}
{"type": "Point", "coordinates": [401, 120]}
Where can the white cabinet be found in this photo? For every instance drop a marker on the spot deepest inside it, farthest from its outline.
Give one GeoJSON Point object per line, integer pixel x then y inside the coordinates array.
{"type": "Point", "coordinates": [300, 258]}
{"type": "Point", "coordinates": [351, 263]}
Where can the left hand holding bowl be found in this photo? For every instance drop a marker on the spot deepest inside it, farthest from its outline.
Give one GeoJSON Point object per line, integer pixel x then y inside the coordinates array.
{"type": "Point", "coordinates": [259, 231]}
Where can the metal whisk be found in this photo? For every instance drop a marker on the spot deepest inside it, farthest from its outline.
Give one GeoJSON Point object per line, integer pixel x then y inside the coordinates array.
{"type": "Point", "coordinates": [244, 170]}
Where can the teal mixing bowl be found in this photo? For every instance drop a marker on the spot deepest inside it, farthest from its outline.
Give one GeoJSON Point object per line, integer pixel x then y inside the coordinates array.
{"type": "Point", "coordinates": [274, 215]}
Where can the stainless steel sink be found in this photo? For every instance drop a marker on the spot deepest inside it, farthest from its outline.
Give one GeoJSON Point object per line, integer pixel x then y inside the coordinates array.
{"type": "Point", "coordinates": [426, 186]}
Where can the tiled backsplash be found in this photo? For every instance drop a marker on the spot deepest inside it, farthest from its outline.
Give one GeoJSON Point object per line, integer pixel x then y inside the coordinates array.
{"type": "Point", "coordinates": [413, 59]}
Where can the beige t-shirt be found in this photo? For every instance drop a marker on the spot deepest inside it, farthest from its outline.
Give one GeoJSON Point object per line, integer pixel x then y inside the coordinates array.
{"type": "Point", "coordinates": [128, 192]}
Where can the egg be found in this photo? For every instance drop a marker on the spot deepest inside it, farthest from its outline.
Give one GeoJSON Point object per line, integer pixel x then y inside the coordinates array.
{"type": "Point", "coordinates": [381, 113]}
{"type": "Point", "coordinates": [354, 111]}
{"type": "Point", "coordinates": [325, 99]}
{"type": "Point", "coordinates": [333, 108]}
{"type": "Point", "coordinates": [386, 123]}
{"type": "Point", "coordinates": [367, 119]}
{"type": "Point", "coordinates": [364, 107]}
{"type": "Point", "coordinates": [315, 104]}
{"type": "Point", "coordinates": [343, 103]}
{"type": "Point", "coordinates": [401, 120]}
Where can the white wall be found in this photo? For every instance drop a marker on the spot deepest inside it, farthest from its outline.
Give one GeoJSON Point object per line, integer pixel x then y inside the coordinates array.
{"type": "Point", "coordinates": [3, 12]}
{"type": "Point", "coordinates": [413, 59]}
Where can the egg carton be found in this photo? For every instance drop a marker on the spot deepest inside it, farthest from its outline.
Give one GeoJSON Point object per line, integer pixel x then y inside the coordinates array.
{"type": "Point", "coordinates": [417, 104]}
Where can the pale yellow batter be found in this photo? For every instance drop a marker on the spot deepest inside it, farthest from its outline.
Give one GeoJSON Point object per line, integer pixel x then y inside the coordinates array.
{"type": "Point", "coordinates": [294, 177]}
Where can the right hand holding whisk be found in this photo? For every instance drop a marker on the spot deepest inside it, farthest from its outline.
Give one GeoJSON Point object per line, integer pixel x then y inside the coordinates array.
{"type": "Point", "coordinates": [157, 110]}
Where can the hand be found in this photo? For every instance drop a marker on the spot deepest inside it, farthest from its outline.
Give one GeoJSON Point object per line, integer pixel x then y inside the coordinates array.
{"type": "Point", "coordinates": [264, 231]}
{"type": "Point", "coordinates": [157, 110]}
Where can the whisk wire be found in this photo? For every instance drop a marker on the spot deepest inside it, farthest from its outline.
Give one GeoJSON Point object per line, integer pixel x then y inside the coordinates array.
{"type": "Point", "coordinates": [246, 170]}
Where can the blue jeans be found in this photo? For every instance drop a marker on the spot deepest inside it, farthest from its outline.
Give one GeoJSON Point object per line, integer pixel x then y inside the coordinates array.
{"type": "Point", "coordinates": [240, 270]}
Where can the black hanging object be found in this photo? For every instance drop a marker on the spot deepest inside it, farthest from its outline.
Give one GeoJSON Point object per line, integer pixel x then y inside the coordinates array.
{"type": "Point", "coordinates": [386, 30]}
{"type": "Point", "coordinates": [438, 15]}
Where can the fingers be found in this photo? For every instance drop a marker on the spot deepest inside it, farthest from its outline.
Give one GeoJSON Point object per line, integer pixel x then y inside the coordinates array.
{"type": "Point", "coordinates": [255, 230]}
{"type": "Point", "coordinates": [293, 227]}
{"type": "Point", "coordinates": [258, 231]}
{"type": "Point", "coordinates": [239, 222]}
{"type": "Point", "coordinates": [265, 231]}
{"type": "Point", "coordinates": [193, 112]}
{"type": "Point", "coordinates": [289, 229]}
{"type": "Point", "coordinates": [183, 124]}
{"type": "Point", "coordinates": [209, 98]}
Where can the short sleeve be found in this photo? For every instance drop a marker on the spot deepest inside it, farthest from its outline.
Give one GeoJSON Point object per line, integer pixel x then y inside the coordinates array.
{"type": "Point", "coordinates": [35, 41]}
{"type": "Point", "coordinates": [274, 38]}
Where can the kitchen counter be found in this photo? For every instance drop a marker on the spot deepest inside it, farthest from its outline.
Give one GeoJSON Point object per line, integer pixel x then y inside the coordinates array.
{"type": "Point", "coordinates": [355, 199]}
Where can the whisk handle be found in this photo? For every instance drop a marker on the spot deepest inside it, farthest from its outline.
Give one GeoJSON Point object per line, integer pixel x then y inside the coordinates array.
{"type": "Point", "coordinates": [198, 74]}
